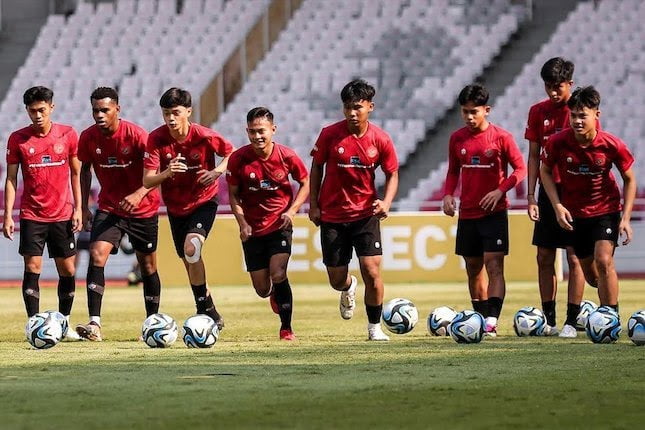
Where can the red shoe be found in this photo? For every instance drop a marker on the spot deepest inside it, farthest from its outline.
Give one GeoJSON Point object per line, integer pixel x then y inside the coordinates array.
{"type": "Point", "coordinates": [287, 334]}
{"type": "Point", "coordinates": [274, 305]}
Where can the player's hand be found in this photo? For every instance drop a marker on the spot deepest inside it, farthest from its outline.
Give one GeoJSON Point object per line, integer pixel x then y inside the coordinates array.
{"type": "Point", "coordinates": [77, 220]}
{"type": "Point", "coordinates": [625, 230]}
{"type": "Point", "coordinates": [314, 215]}
{"type": "Point", "coordinates": [380, 209]}
{"type": "Point", "coordinates": [245, 232]}
{"type": "Point", "coordinates": [564, 217]}
{"type": "Point", "coordinates": [131, 201]}
{"type": "Point", "coordinates": [8, 227]}
{"type": "Point", "coordinates": [287, 220]}
{"type": "Point", "coordinates": [533, 209]}
{"type": "Point", "coordinates": [207, 177]}
{"type": "Point", "coordinates": [449, 206]}
{"type": "Point", "coordinates": [177, 165]}
{"type": "Point", "coordinates": [490, 200]}
{"type": "Point", "coordinates": [87, 220]}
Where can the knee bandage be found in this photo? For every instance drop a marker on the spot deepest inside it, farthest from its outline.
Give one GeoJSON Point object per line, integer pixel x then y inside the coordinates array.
{"type": "Point", "coordinates": [197, 243]}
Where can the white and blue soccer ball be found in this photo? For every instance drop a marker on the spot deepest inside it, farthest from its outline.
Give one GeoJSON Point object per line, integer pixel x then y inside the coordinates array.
{"type": "Point", "coordinates": [62, 320]}
{"type": "Point", "coordinates": [399, 315]}
{"type": "Point", "coordinates": [200, 331]}
{"type": "Point", "coordinates": [439, 320]}
{"type": "Point", "coordinates": [587, 307]}
{"type": "Point", "coordinates": [636, 327]}
{"type": "Point", "coordinates": [43, 331]}
{"type": "Point", "coordinates": [603, 325]}
{"type": "Point", "coordinates": [159, 331]}
{"type": "Point", "coordinates": [529, 321]}
{"type": "Point", "coordinates": [468, 327]}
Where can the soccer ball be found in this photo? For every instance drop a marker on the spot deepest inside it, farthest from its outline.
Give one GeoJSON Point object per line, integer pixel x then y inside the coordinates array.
{"type": "Point", "coordinates": [603, 325]}
{"type": "Point", "coordinates": [636, 327]}
{"type": "Point", "coordinates": [200, 331]}
{"type": "Point", "coordinates": [439, 320]}
{"type": "Point", "coordinates": [399, 315]}
{"type": "Point", "coordinates": [43, 331]}
{"type": "Point", "coordinates": [529, 321]}
{"type": "Point", "coordinates": [586, 308]}
{"type": "Point", "coordinates": [467, 327]}
{"type": "Point", "coordinates": [159, 331]}
{"type": "Point", "coordinates": [61, 320]}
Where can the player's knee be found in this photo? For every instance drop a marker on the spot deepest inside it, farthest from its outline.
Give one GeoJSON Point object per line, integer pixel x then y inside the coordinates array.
{"type": "Point", "coordinates": [545, 257]}
{"type": "Point", "coordinates": [263, 290]}
{"type": "Point", "coordinates": [193, 249]}
{"type": "Point", "coordinates": [147, 268]}
{"type": "Point", "coordinates": [97, 257]}
{"type": "Point", "coordinates": [605, 263]}
{"type": "Point", "coordinates": [278, 275]}
{"type": "Point", "coordinates": [32, 267]}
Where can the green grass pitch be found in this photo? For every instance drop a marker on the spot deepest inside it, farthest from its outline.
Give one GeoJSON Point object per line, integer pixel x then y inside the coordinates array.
{"type": "Point", "coordinates": [330, 378]}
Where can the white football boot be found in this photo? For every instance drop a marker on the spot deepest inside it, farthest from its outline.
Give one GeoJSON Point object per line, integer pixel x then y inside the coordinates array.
{"type": "Point", "coordinates": [348, 300]}
{"type": "Point", "coordinates": [568, 331]}
{"type": "Point", "coordinates": [374, 332]}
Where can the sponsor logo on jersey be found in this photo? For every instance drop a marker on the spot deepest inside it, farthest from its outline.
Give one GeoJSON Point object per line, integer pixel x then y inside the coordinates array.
{"type": "Point", "coordinates": [46, 159]}
{"type": "Point", "coordinates": [112, 161]}
{"type": "Point", "coordinates": [474, 160]}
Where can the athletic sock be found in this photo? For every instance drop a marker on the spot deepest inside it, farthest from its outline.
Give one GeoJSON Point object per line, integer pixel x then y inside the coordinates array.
{"type": "Point", "coordinates": [284, 299]}
{"type": "Point", "coordinates": [495, 306]}
{"type": "Point", "coordinates": [66, 291]}
{"type": "Point", "coordinates": [549, 312]}
{"type": "Point", "coordinates": [573, 309]}
{"type": "Point", "coordinates": [151, 293]}
{"type": "Point", "coordinates": [374, 313]}
{"type": "Point", "coordinates": [614, 307]}
{"type": "Point", "coordinates": [31, 292]}
{"type": "Point", "coordinates": [95, 289]}
{"type": "Point", "coordinates": [481, 306]}
{"type": "Point", "coordinates": [204, 301]}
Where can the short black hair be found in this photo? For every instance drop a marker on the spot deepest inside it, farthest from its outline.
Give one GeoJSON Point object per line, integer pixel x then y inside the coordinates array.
{"type": "Point", "coordinates": [105, 93]}
{"type": "Point", "coordinates": [584, 97]}
{"type": "Point", "coordinates": [38, 94]}
{"type": "Point", "coordinates": [357, 90]}
{"type": "Point", "coordinates": [475, 93]}
{"type": "Point", "coordinates": [557, 70]}
{"type": "Point", "coordinates": [259, 112]}
{"type": "Point", "coordinates": [175, 97]}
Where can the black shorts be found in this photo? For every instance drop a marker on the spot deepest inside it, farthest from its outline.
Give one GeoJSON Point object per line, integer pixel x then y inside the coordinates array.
{"type": "Point", "coordinates": [479, 235]}
{"type": "Point", "coordinates": [547, 233]}
{"type": "Point", "coordinates": [259, 250]}
{"type": "Point", "coordinates": [338, 239]}
{"type": "Point", "coordinates": [199, 221]}
{"type": "Point", "coordinates": [58, 236]}
{"type": "Point", "coordinates": [587, 231]}
{"type": "Point", "coordinates": [83, 241]}
{"type": "Point", "coordinates": [142, 232]}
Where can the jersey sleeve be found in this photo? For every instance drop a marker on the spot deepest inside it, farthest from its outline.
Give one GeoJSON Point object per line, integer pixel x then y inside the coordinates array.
{"type": "Point", "coordinates": [532, 126]}
{"type": "Point", "coordinates": [454, 169]}
{"type": "Point", "coordinates": [389, 160]}
{"type": "Point", "coordinates": [624, 158]}
{"type": "Point", "coordinates": [84, 151]}
{"type": "Point", "coordinates": [550, 154]}
{"type": "Point", "coordinates": [151, 156]}
{"type": "Point", "coordinates": [13, 152]}
{"type": "Point", "coordinates": [232, 177]}
{"type": "Point", "coordinates": [72, 141]}
{"type": "Point", "coordinates": [515, 159]}
{"type": "Point", "coordinates": [297, 168]}
{"type": "Point", "coordinates": [220, 145]}
{"type": "Point", "coordinates": [320, 150]}
{"type": "Point", "coordinates": [141, 140]}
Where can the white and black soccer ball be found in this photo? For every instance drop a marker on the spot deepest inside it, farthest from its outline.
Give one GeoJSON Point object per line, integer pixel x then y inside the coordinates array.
{"type": "Point", "coordinates": [439, 320]}
{"type": "Point", "coordinates": [61, 320]}
{"type": "Point", "coordinates": [43, 331]}
{"type": "Point", "coordinates": [399, 315]}
{"type": "Point", "coordinates": [603, 325]}
{"type": "Point", "coordinates": [636, 327]}
{"type": "Point", "coordinates": [586, 309]}
{"type": "Point", "coordinates": [200, 331]}
{"type": "Point", "coordinates": [529, 321]}
{"type": "Point", "coordinates": [468, 327]}
{"type": "Point", "coordinates": [159, 331]}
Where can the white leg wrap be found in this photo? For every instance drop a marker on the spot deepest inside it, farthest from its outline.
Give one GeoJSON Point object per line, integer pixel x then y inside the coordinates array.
{"type": "Point", "coordinates": [197, 243]}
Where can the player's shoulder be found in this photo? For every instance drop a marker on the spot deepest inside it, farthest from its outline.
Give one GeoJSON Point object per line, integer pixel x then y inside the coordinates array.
{"type": "Point", "coordinates": [132, 128]}
{"type": "Point", "coordinates": [241, 154]}
{"type": "Point", "coordinates": [460, 135]}
{"type": "Point", "coordinates": [378, 133]}
{"type": "Point", "coordinates": [540, 107]}
{"type": "Point", "coordinates": [159, 134]}
{"type": "Point", "coordinates": [610, 139]}
{"type": "Point", "coordinates": [203, 131]}
{"type": "Point", "coordinates": [62, 130]}
{"type": "Point", "coordinates": [338, 128]}
{"type": "Point", "coordinates": [501, 132]}
{"type": "Point", "coordinates": [285, 151]}
{"type": "Point", "coordinates": [21, 135]}
{"type": "Point", "coordinates": [89, 132]}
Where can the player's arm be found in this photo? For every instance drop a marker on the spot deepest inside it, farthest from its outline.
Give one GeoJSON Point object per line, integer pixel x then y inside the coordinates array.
{"type": "Point", "coordinates": [382, 207]}
{"type": "Point", "coordinates": [153, 177]}
{"type": "Point", "coordinates": [514, 156]}
{"type": "Point", "coordinates": [10, 186]}
{"type": "Point", "coordinates": [86, 187]}
{"type": "Point", "coordinates": [132, 201]}
{"type": "Point", "coordinates": [315, 180]}
{"type": "Point", "coordinates": [533, 164]}
{"type": "Point", "coordinates": [629, 195]}
{"type": "Point", "coordinates": [238, 212]}
{"type": "Point", "coordinates": [207, 177]}
{"type": "Point", "coordinates": [449, 205]}
{"type": "Point", "coordinates": [298, 201]}
{"type": "Point", "coordinates": [75, 177]}
{"type": "Point", "coordinates": [562, 214]}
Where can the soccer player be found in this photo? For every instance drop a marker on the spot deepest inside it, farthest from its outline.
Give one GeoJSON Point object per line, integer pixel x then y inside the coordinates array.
{"type": "Point", "coordinates": [589, 204]}
{"type": "Point", "coordinates": [480, 153]}
{"type": "Point", "coordinates": [50, 212]}
{"type": "Point", "coordinates": [115, 148]}
{"type": "Point", "coordinates": [181, 158]}
{"type": "Point", "coordinates": [264, 206]}
{"type": "Point", "coordinates": [345, 204]}
{"type": "Point", "coordinates": [545, 119]}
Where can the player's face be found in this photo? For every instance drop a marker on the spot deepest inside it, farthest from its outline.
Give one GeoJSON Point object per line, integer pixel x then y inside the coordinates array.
{"type": "Point", "coordinates": [558, 93]}
{"type": "Point", "coordinates": [260, 132]}
{"type": "Point", "coordinates": [106, 113]}
{"type": "Point", "coordinates": [176, 117]}
{"type": "Point", "coordinates": [583, 120]}
{"type": "Point", "coordinates": [39, 113]}
{"type": "Point", "coordinates": [357, 113]}
{"type": "Point", "coordinates": [474, 116]}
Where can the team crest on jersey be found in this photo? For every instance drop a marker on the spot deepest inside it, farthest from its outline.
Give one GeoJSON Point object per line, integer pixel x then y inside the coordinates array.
{"type": "Point", "coordinates": [59, 148]}
{"type": "Point", "coordinates": [195, 155]}
{"type": "Point", "coordinates": [279, 175]}
{"type": "Point", "coordinates": [125, 150]}
{"type": "Point", "coordinates": [489, 152]}
{"type": "Point", "coordinates": [372, 152]}
{"type": "Point", "coordinates": [463, 151]}
{"type": "Point", "coordinates": [599, 161]}
{"type": "Point", "coordinates": [341, 150]}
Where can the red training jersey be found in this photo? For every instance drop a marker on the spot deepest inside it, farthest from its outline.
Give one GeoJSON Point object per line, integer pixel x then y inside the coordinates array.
{"type": "Point", "coordinates": [265, 191]}
{"type": "Point", "coordinates": [482, 160]}
{"type": "Point", "coordinates": [588, 186]}
{"type": "Point", "coordinates": [118, 163]}
{"type": "Point", "coordinates": [348, 189]}
{"type": "Point", "coordinates": [45, 161]}
{"type": "Point", "coordinates": [183, 193]}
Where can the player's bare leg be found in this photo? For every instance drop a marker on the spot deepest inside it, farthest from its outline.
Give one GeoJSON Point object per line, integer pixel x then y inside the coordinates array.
{"type": "Point", "coordinates": [371, 273]}
{"type": "Point", "coordinates": [66, 268]}
{"type": "Point", "coordinates": [494, 263]}
{"type": "Point", "coordinates": [151, 282]}
{"type": "Point", "coordinates": [575, 293]}
{"type": "Point", "coordinates": [548, 285]}
{"type": "Point", "coordinates": [30, 284]}
{"type": "Point", "coordinates": [99, 254]}
{"type": "Point", "coordinates": [608, 279]}
{"type": "Point", "coordinates": [341, 280]}
{"type": "Point", "coordinates": [477, 284]}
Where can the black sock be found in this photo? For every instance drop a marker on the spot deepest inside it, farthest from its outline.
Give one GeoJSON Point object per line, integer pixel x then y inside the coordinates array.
{"type": "Point", "coordinates": [95, 289]}
{"type": "Point", "coordinates": [31, 292]}
{"type": "Point", "coordinates": [495, 306]}
{"type": "Point", "coordinates": [481, 306]}
{"type": "Point", "coordinates": [573, 309]}
{"type": "Point", "coordinates": [284, 299]}
{"type": "Point", "coordinates": [614, 307]}
{"type": "Point", "coordinates": [374, 313]}
{"type": "Point", "coordinates": [204, 301]}
{"type": "Point", "coordinates": [66, 291]}
{"type": "Point", "coordinates": [549, 312]}
{"type": "Point", "coordinates": [151, 293]}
